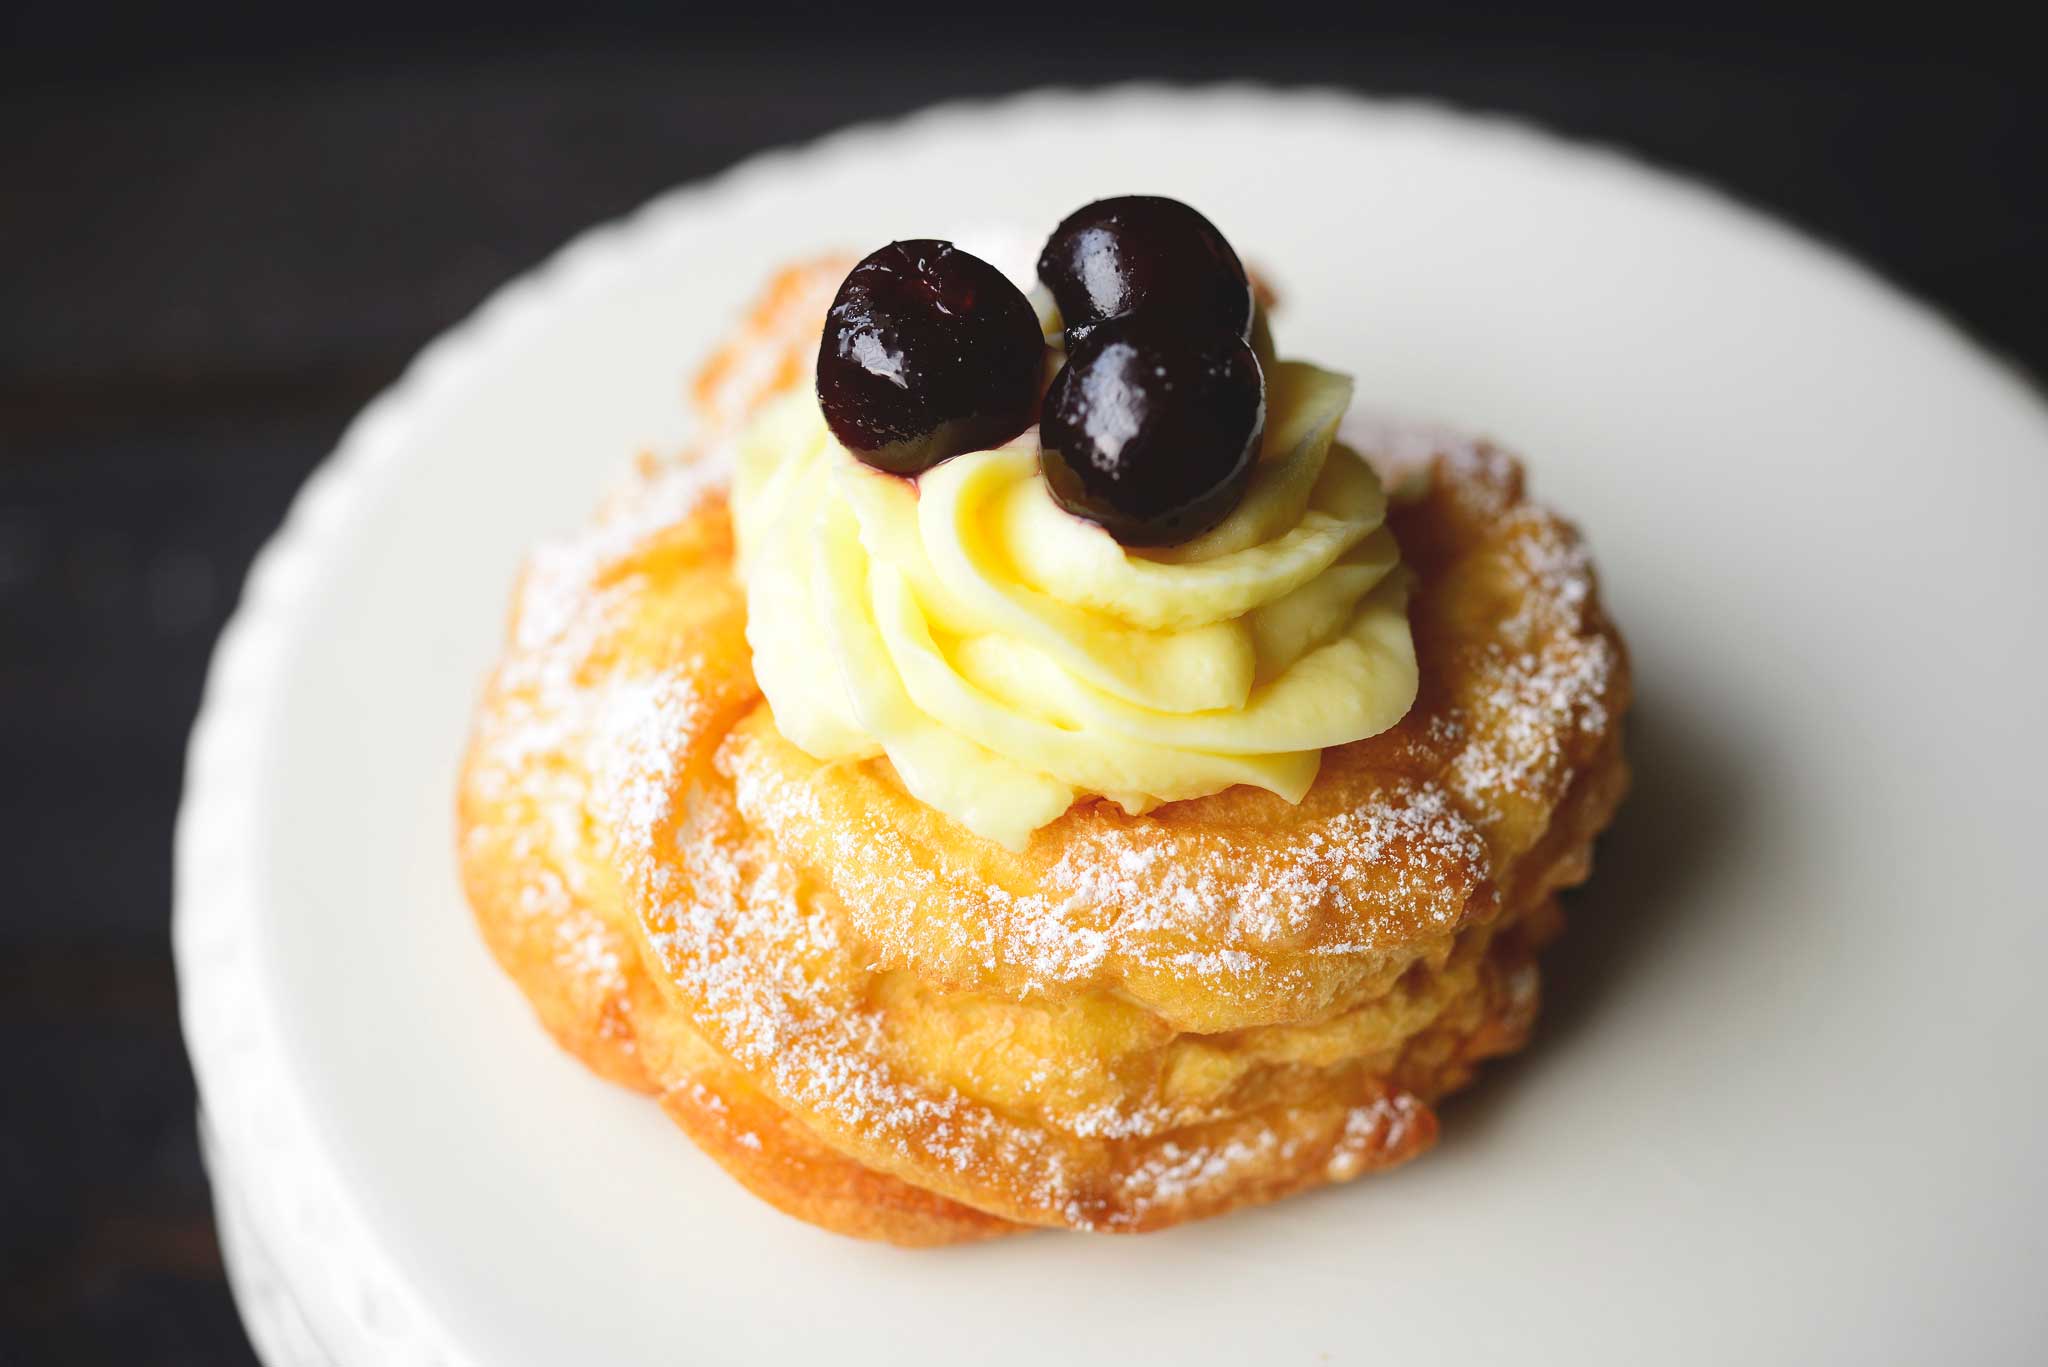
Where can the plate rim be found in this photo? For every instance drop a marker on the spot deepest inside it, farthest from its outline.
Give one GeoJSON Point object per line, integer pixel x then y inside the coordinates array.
{"type": "Point", "coordinates": [263, 1145]}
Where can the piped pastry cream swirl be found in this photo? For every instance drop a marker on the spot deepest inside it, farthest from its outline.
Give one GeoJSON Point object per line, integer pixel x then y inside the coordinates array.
{"type": "Point", "coordinates": [1009, 658]}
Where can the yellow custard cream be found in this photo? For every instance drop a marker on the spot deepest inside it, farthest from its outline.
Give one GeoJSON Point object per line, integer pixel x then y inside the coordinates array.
{"type": "Point", "coordinates": [1010, 658]}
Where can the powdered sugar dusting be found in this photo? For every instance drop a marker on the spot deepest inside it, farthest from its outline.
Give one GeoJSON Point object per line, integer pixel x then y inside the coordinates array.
{"type": "Point", "coordinates": [768, 971]}
{"type": "Point", "coordinates": [1403, 449]}
{"type": "Point", "coordinates": [1549, 675]}
{"type": "Point", "coordinates": [778, 975]}
{"type": "Point", "coordinates": [1335, 871]}
{"type": "Point", "coordinates": [765, 967]}
{"type": "Point", "coordinates": [1133, 897]}
{"type": "Point", "coordinates": [561, 575]}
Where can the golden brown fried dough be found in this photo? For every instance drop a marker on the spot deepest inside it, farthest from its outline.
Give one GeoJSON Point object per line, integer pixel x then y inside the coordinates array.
{"type": "Point", "coordinates": [892, 1028]}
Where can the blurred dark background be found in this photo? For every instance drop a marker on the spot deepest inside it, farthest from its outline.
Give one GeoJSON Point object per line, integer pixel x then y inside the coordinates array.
{"type": "Point", "coordinates": [223, 228]}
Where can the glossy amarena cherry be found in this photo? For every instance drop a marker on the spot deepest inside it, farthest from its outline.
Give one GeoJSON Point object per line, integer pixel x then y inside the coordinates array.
{"type": "Point", "coordinates": [928, 351]}
{"type": "Point", "coordinates": [1144, 253]}
{"type": "Point", "coordinates": [1151, 428]}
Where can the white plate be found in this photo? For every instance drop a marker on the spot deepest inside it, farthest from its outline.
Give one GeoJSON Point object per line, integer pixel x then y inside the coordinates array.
{"type": "Point", "coordinates": [1788, 1099]}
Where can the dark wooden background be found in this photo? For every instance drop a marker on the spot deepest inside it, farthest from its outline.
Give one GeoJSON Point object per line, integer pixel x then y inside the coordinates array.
{"type": "Point", "coordinates": [223, 229]}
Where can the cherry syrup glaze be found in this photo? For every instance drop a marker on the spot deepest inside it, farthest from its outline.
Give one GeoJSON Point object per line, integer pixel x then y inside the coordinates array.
{"type": "Point", "coordinates": [1144, 253]}
{"type": "Point", "coordinates": [928, 352]}
{"type": "Point", "coordinates": [1151, 428]}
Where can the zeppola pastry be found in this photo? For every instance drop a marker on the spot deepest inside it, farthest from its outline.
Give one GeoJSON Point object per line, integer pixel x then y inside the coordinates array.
{"type": "Point", "coordinates": [1042, 761]}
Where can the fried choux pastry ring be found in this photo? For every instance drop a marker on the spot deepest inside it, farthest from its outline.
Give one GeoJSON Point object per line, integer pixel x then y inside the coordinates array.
{"type": "Point", "coordinates": [1146, 1009]}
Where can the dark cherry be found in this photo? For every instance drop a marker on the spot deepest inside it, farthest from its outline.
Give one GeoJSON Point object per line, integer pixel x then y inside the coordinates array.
{"type": "Point", "coordinates": [927, 352]}
{"type": "Point", "coordinates": [1116, 256]}
{"type": "Point", "coordinates": [1151, 427]}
